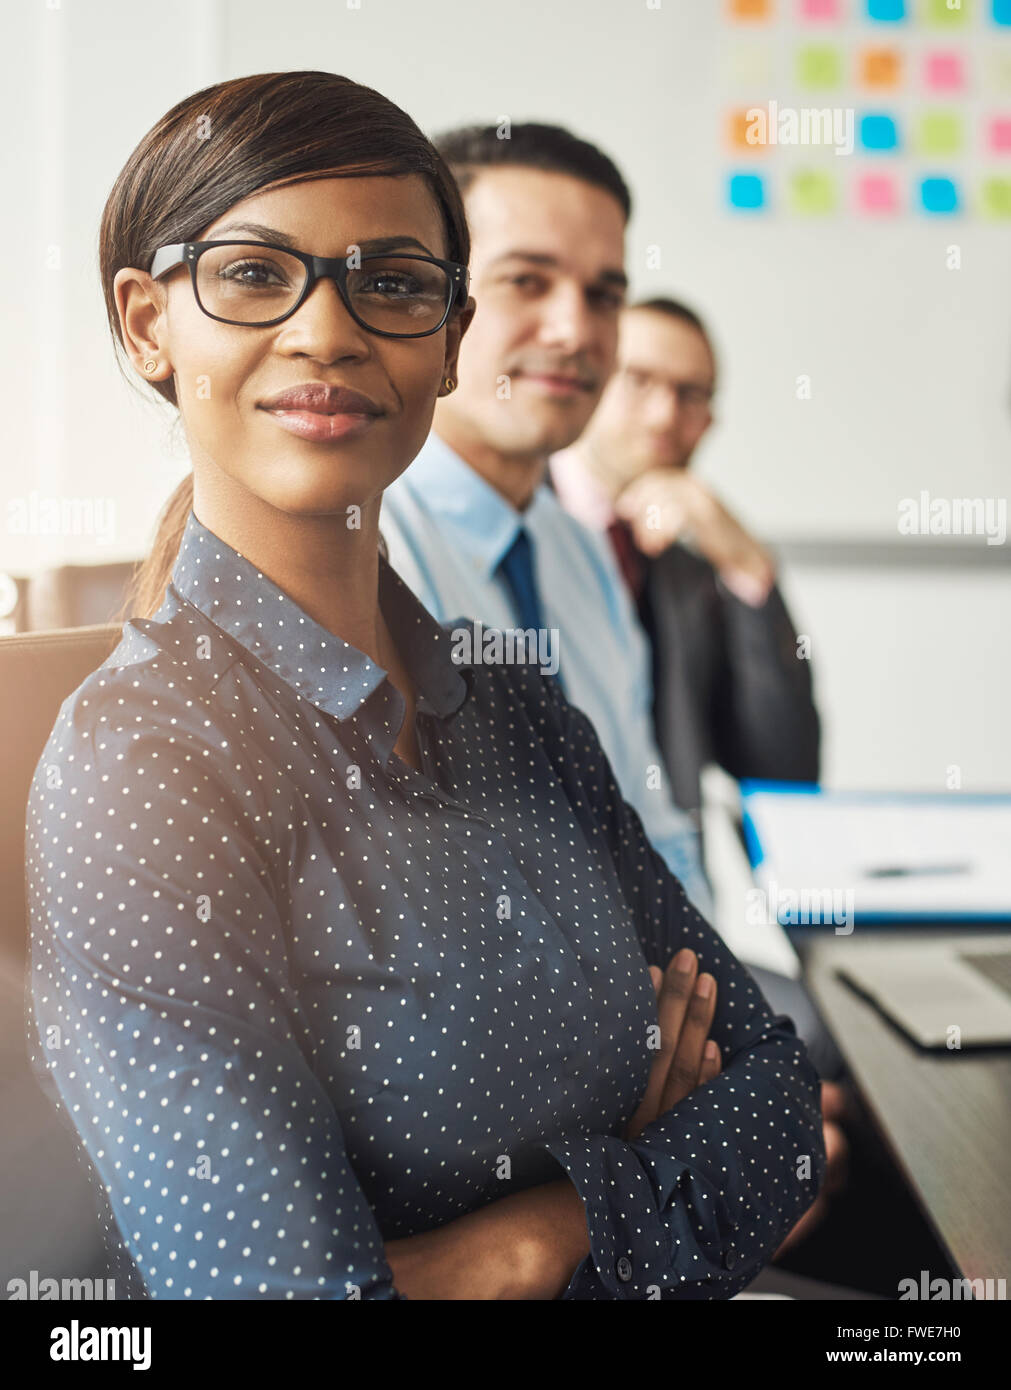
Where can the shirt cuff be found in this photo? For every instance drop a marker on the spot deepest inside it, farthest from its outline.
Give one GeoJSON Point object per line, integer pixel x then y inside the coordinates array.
{"type": "Point", "coordinates": [633, 1254]}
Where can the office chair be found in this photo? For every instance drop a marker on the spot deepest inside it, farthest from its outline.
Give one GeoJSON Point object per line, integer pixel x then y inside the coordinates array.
{"type": "Point", "coordinates": [78, 595]}
{"type": "Point", "coordinates": [49, 1221]}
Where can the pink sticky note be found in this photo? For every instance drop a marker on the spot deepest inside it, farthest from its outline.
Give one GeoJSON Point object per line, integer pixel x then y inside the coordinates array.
{"type": "Point", "coordinates": [944, 72]}
{"type": "Point", "coordinates": [876, 193]}
{"type": "Point", "coordinates": [999, 132]}
{"type": "Point", "coordinates": [819, 9]}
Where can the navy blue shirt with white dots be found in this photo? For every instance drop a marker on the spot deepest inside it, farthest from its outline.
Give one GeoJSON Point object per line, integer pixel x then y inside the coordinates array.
{"type": "Point", "coordinates": [297, 997]}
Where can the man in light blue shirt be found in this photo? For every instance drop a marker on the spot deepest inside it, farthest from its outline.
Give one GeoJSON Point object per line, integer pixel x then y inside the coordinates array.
{"type": "Point", "coordinates": [472, 525]}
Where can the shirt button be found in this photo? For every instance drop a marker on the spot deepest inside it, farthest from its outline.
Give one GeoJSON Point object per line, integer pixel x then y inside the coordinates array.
{"type": "Point", "coordinates": [729, 1258]}
{"type": "Point", "coordinates": [623, 1269]}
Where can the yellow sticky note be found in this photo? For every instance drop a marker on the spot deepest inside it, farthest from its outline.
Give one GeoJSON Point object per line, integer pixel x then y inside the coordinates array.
{"type": "Point", "coordinates": [819, 65]}
{"type": "Point", "coordinates": [995, 197]}
{"type": "Point", "coordinates": [939, 132]}
{"type": "Point", "coordinates": [948, 12]}
{"type": "Point", "coordinates": [812, 192]}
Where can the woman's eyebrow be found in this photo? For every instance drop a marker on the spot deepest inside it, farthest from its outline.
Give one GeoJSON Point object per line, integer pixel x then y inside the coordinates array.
{"type": "Point", "coordinates": [375, 246]}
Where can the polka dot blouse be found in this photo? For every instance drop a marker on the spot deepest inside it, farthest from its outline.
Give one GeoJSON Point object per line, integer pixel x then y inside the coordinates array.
{"type": "Point", "coordinates": [297, 998]}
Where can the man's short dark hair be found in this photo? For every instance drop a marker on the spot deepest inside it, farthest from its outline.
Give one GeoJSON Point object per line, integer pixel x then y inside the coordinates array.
{"type": "Point", "coordinates": [469, 149]}
{"type": "Point", "coordinates": [675, 309]}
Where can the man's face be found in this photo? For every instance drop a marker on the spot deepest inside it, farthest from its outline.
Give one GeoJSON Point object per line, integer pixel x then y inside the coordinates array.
{"type": "Point", "coordinates": [547, 276]}
{"type": "Point", "coordinates": [656, 405]}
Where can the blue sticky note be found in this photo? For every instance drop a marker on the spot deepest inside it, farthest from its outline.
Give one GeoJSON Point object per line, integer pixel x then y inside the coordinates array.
{"type": "Point", "coordinates": [746, 191]}
{"type": "Point", "coordinates": [886, 11]}
{"type": "Point", "coordinates": [938, 195]}
{"type": "Point", "coordinates": [1002, 11]}
{"type": "Point", "coordinates": [878, 133]}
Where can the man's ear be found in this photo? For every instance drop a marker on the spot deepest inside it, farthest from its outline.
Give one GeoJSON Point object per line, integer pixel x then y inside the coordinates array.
{"type": "Point", "coordinates": [455, 330]}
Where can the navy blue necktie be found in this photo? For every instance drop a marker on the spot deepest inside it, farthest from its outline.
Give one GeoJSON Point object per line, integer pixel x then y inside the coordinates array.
{"type": "Point", "coordinates": [517, 567]}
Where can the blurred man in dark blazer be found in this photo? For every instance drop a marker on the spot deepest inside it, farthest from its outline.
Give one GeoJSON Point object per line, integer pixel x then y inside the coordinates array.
{"type": "Point", "coordinates": [732, 682]}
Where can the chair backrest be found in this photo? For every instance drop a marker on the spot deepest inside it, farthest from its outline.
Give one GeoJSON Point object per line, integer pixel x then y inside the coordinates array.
{"type": "Point", "coordinates": [78, 595]}
{"type": "Point", "coordinates": [48, 1214]}
{"type": "Point", "coordinates": [38, 670]}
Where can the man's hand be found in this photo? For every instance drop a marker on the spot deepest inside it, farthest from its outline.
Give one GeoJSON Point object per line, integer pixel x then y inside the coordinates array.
{"type": "Point", "coordinates": [686, 1002]}
{"type": "Point", "coordinates": [837, 1166]}
{"type": "Point", "coordinates": [661, 505]}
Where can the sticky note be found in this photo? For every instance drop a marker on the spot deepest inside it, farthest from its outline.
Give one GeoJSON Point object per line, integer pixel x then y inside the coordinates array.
{"type": "Point", "coordinates": [750, 9]}
{"type": "Point", "coordinates": [876, 194]}
{"type": "Point", "coordinates": [878, 133]}
{"type": "Point", "coordinates": [746, 191]}
{"type": "Point", "coordinates": [747, 65]}
{"type": "Point", "coordinates": [939, 132]}
{"type": "Point", "coordinates": [944, 72]}
{"type": "Point", "coordinates": [998, 69]}
{"type": "Point", "coordinates": [739, 123]}
{"type": "Point", "coordinates": [995, 197]}
{"type": "Point", "coordinates": [880, 67]}
{"type": "Point", "coordinates": [1001, 12]}
{"type": "Point", "coordinates": [819, 65]}
{"type": "Point", "coordinates": [999, 135]}
{"type": "Point", "coordinates": [938, 195]}
{"type": "Point", "coordinates": [819, 9]}
{"type": "Point", "coordinates": [886, 11]}
{"type": "Point", "coordinates": [939, 12]}
{"type": "Point", "coordinates": [812, 191]}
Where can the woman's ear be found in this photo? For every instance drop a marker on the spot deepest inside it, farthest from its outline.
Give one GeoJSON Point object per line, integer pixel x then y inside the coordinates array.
{"type": "Point", "coordinates": [455, 329]}
{"type": "Point", "coordinates": [140, 303]}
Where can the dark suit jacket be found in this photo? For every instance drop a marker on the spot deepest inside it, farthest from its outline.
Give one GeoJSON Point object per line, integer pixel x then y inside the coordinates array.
{"type": "Point", "coordinates": [728, 684]}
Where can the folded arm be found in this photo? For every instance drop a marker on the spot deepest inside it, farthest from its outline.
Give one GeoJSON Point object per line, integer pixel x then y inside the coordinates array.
{"type": "Point", "coordinates": [696, 1205]}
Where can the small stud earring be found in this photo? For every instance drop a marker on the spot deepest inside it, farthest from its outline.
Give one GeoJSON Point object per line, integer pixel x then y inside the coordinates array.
{"type": "Point", "coordinates": [151, 366]}
{"type": "Point", "coordinates": [449, 384]}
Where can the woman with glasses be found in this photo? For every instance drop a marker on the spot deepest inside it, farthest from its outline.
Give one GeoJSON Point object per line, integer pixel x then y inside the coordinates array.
{"type": "Point", "coordinates": [351, 968]}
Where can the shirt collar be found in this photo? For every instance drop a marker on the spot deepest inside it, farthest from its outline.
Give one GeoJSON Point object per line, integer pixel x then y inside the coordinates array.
{"type": "Point", "coordinates": [483, 523]}
{"type": "Point", "coordinates": [579, 491]}
{"type": "Point", "coordinates": [324, 669]}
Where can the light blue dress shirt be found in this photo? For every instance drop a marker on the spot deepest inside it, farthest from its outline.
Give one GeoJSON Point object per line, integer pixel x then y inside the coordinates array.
{"type": "Point", "coordinates": [447, 530]}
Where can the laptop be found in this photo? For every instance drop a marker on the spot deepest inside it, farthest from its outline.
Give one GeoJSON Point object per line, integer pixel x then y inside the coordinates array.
{"type": "Point", "coordinates": [943, 996]}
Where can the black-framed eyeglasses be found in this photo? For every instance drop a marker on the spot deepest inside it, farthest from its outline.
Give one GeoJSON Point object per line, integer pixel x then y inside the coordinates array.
{"type": "Point", "coordinates": [257, 284]}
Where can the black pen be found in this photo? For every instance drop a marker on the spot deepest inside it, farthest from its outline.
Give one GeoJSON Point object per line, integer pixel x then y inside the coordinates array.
{"type": "Point", "coordinates": [915, 870]}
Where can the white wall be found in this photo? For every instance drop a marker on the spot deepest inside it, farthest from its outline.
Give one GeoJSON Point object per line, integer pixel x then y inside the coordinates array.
{"type": "Point", "coordinates": [910, 362]}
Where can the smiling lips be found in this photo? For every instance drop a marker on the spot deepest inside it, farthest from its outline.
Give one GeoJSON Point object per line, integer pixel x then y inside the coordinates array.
{"type": "Point", "coordinates": [320, 413]}
{"type": "Point", "coordinates": [558, 384]}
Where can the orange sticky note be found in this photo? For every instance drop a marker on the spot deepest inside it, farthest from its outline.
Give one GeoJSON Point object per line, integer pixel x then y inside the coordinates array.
{"type": "Point", "coordinates": [738, 125]}
{"type": "Point", "coordinates": [750, 9]}
{"type": "Point", "coordinates": [880, 67]}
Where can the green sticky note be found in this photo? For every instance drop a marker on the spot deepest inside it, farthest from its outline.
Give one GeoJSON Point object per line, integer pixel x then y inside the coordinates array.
{"type": "Point", "coordinates": [819, 65]}
{"type": "Point", "coordinates": [812, 192]}
{"type": "Point", "coordinates": [995, 197]}
{"type": "Point", "coordinates": [947, 12]}
{"type": "Point", "coordinates": [939, 132]}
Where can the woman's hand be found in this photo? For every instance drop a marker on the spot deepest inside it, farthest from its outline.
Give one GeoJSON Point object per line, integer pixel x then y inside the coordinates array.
{"type": "Point", "coordinates": [686, 1002]}
{"type": "Point", "coordinates": [528, 1245]}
